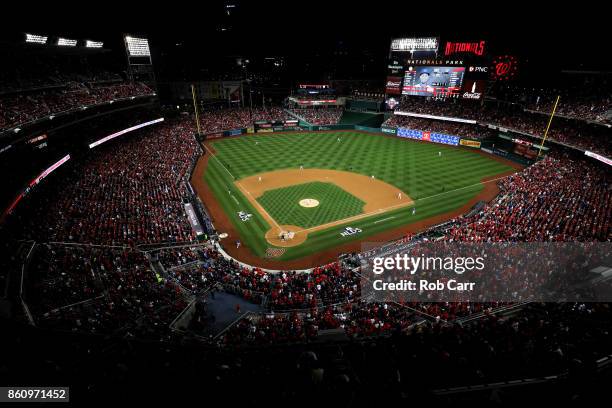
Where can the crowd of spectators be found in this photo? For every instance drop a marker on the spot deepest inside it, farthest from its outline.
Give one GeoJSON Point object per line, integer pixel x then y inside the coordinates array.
{"type": "Point", "coordinates": [583, 108]}
{"type": "Point", "coordinates": [403, 368]}
{"type": "Point", "coordinates": [20, 108]}
{"type": "Point", "coordinates": [28, 70]}
{"type": "Point", "coordinates": [574, 133]}
{"type": "Point", "coordinates": [320, 116]}
{"type": "Point", "coordinates": [589, 101]}
{"type": "Point", "coordinates": [236, 118]}
{"type": "Point", "coordinates": [556, 199]}
{"type": "Point", "coordinates": [100, 290]}
{"type": "Point", "coordinates": [129, 192]}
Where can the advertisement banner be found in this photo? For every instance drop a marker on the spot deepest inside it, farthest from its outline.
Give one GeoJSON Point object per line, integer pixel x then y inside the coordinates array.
{"type": "Point", "coordinates": [391, 131]}
{"type": "Point", "coordinates": [234, 132]}
{"type": "Point", "coordinates": [193, 219]}
{"type": "Point", "coordinates": [332, 127]}
{"type": "Point", "coordinates": [286, 128]}
{"type": "Point", "coordinates": [428, 136]}
{"type": "Point", "coordinates": [599, 157]}
{"type": "Point", "coordinates": [394, 85]}
{"type": "Point", "coordinates": [470, 143]}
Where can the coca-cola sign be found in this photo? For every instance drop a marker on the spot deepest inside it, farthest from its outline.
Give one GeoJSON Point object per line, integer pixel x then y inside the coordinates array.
{"type": "Point", "coordinates": [473, 89]}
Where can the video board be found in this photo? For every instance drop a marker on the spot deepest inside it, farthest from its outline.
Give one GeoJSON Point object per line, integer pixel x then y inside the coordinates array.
{"type": "Point", "coordinates": [439, 81]}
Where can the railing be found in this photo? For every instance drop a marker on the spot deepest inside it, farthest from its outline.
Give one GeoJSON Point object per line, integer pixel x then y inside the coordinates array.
{"type": "Point", "coordinates": [24, 268]}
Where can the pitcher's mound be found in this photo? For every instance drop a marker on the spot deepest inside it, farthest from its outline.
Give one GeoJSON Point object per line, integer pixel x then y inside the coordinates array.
{"type": "Point", "coordinates": [309, 202]}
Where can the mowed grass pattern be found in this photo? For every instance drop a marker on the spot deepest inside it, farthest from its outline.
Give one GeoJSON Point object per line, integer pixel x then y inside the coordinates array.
{"type": "Point", "coordinates": [334, 204]}
{"type": "Point", "coordinates": [411, 166]}
{"type": "Point", "coordinates": [436, 184]}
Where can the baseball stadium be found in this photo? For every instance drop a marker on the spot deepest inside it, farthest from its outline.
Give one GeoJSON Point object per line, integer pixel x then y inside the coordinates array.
{"type": "Point", "coordinates": [305, 204]}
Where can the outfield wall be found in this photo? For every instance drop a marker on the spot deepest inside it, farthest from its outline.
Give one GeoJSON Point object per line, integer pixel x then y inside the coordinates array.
{"type": "Point", "coordinates": [415, 134]}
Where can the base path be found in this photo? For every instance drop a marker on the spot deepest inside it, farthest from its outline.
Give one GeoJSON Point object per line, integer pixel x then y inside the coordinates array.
{"type": "Point", "coordinates": [378, 196]}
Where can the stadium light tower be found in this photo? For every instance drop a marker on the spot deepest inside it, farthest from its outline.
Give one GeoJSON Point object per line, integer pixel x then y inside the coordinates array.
{"type": "Point", "coordinates": [140, 64]}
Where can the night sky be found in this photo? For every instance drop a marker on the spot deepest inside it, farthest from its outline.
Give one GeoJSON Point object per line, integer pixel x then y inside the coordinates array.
{"type": "Point", "coordinates": [199, 33]}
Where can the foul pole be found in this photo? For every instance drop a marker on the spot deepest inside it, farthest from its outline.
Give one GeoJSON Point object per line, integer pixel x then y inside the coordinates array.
{"type": "Point", "coordinates": [548, 126]}
{"type": "Point", "coordinates": [195, 108]}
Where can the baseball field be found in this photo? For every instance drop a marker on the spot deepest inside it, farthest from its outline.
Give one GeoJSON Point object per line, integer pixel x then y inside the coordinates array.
{"type": "Point", "coordinates": [290, 196]}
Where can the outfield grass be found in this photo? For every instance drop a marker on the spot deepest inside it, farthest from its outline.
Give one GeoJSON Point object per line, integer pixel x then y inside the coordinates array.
{"type": "Point", "coordinates": [334, 204]}
{"type": "Point", "coordinates": [438, 184]}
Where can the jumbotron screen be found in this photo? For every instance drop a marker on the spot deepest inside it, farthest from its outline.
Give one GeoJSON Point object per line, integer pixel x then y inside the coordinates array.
{"type": "Point", "coordinates": [433, 81]}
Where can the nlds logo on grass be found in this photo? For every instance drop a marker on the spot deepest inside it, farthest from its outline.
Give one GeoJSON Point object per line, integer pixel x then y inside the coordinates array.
{"type": "Point", "coordinates": [244, 216]}
{"type": "Point", "coordinates": [348, 231]}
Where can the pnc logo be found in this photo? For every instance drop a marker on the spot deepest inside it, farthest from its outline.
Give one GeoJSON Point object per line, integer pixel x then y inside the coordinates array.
{"type": "Point", "coordinates": [479, 69]}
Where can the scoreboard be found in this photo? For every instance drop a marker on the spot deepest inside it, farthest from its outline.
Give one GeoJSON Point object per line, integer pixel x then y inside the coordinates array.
{"type": "Point", "coordinates": [433, 81]}
{"type": "Point", "coordinates": [437, 68]}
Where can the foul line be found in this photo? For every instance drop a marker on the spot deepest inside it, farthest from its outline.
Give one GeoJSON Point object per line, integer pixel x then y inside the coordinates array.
{"type": "Point", "coordinates": [253, 201]}
{"type": "Point", "coordinates": [219, 161]}
{"type": "Point", "coordinates": [383, 220]}
{"type": "Point", "coordinates": [256, 203]}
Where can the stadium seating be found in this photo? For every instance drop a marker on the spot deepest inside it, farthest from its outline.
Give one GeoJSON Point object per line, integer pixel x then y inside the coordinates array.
{"type": "Point", "coordinates": [575, 133]}
{"type": "Point", "coordinates": [236, 118]}
{"type": "Point", "coordinates": [320, 116]}
{"type": "Point", "coordinates": [21, 108]}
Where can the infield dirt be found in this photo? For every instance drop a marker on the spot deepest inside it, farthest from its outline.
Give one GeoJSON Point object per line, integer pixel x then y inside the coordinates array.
{"type": "Point", "coordinates": [378, 196]}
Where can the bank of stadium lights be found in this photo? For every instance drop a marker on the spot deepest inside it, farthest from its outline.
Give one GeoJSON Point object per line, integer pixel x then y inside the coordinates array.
{"type": "Point", "coordinates": [36, 39]}
{"type": "Point", "coordinates": [93, 44]}
{"type": "Point", "coordinates": [415, 44]}
{"type": "Point", "coordinates": [137, 47]}
{"type": "Point", "coordinates": [65, 42]}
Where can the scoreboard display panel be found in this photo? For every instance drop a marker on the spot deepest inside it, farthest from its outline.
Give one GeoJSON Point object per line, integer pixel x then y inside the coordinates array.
{"type": "Point", "coordinates": [438, 81]}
